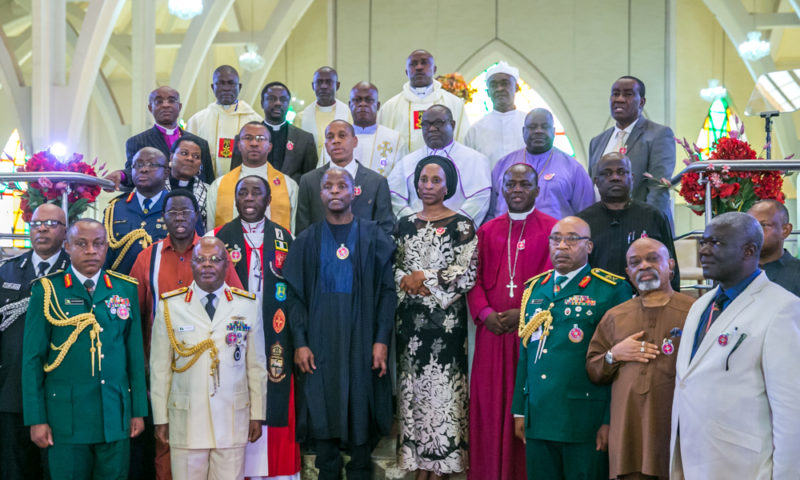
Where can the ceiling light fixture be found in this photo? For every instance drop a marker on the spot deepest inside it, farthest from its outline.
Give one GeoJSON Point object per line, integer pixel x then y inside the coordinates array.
{"type": "Point", "coordinates": [753, 48]}
{"type": "Point", "coordinates": [185, 9]}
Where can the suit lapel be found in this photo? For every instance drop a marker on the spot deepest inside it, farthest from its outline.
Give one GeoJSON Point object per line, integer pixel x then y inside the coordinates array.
{"type": "Point", "coordinates": [102, 291]}
{"type": "Point", "coordinates": [224, 308]}
{"type": "Point", "coordinates": [158, 139]}
{"type": "Point", "coordinates": [288, 156]}
{"type": "Point", "coordinates": [572, 287]}
{"type": "Point", "coordinates": [727, 317]}
{"type": "Point", "coordinates": [637, 131]}
{"type": "Point", "coordinates": [601, 146]}
{"type": "Point", "coordinates": [689, 330]}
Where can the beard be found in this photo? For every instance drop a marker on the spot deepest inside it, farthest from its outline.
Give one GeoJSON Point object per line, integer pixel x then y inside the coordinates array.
{"type": "Point", "coordinates": [647, 285]}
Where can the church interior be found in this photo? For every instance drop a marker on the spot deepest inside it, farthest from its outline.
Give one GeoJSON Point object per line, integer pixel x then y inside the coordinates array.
{"type": "Point", "coordinates": [77, 73]}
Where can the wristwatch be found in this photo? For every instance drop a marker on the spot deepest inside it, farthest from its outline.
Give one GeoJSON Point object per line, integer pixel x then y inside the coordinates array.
{"type": "Point", "coordinates": [609, 358]}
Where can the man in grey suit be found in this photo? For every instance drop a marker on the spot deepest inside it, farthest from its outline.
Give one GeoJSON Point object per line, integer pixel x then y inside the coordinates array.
{"type": "Point", "coordinates": [372, 200]}
{"type": "Point", "coordinates": [735, 412]}
{"type": "Point", "coordinates": [649, 146]}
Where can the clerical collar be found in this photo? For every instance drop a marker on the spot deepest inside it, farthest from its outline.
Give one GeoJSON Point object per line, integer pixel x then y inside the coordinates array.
{"type": "Point", "coordinates": [445, 150]}
{"type": "Point", "coordinates": [82, 278]}
{"type": "Point", "coordinates": [257, 227]}
{"type": "Point", "coordinates": [235, 106]}
{"type": "Point", "coordinates": [329, 108]}
{"type": "Point", "coordinates": [167, 131]}
{"type": "Point", "coordinates": [521, 215]}
{"type": "Point", "coordinates": [422, 92]}
{"type": "Point", "coordinates": [351, 167]}
{"type": "Point", "coordinates": [274, 128]}
{"type": "Point", "coordinates": [183, 183]}
{"type": "Point", "coordinates": [370, 130]}
{"type": "Point", "coordinates": [569, 275]}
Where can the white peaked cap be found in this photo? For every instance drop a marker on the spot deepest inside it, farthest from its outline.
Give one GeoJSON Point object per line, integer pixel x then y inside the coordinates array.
{"type": "Point", "coordinates": [502, 67]}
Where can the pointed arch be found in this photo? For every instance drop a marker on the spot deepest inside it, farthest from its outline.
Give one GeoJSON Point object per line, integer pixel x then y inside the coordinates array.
{"type": "Point", "coordinates": [499, 50]}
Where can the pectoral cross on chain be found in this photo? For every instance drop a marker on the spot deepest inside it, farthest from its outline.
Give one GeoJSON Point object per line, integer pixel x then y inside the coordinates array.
{"type": "Point", "coordinates": [511, 286]}
{"type": "Point", "coordinates": [259, 275]}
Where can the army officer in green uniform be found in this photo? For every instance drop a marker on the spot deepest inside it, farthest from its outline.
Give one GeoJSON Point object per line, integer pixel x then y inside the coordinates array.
{"type": "Point", "coordinates": [560, 415]}
{"type": "Point", "coordinates": [83, 385]}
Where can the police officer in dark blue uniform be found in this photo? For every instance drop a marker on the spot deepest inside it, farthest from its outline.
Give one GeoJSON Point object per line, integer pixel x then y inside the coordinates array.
{"type": "Point", "coordinates": [134, 220]}
{"type": "Point", "coordinates": [20, 458]}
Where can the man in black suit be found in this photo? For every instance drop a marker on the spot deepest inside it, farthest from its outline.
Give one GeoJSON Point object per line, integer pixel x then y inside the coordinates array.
{"type": "Point", "coordinates": [649, 146]}
{"type": "Point", "coordinates": [20, 458]}
{"type": "Point", "coordinates": [165, 105]}
{"type": "Point", "coordinates": [293, 149]}
{"type": "Point", "coordinates": [372, 199]}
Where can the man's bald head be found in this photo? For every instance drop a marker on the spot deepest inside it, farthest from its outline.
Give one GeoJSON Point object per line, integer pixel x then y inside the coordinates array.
{"type": "Point", "coordinates": [226, 69]}
{"type": "Point", "coordinates": [520, 187]}
{"type": "Point", "coordinates": [774, 219]}
{"type": "Point", "coordinates": [570, 244]}
{"type": "Point", "coordinates": [149, 154]}
{"type": "Point", "coordinates": [420, 68]}
{"type": "Point", "coordinates": [225, 85]}
{"type": "Point", "coordinates": [209, 263]}
{"type": "Point", "coordinates": [649, 266]}
{"type": "Point", "coordinates": [539, 131]}
{"type": "Point", "coordinates": [325, 83]}
{"type": "Point", "coordinates": [364, 104]}
{"type": "Point", "coordinates": [46, 240]}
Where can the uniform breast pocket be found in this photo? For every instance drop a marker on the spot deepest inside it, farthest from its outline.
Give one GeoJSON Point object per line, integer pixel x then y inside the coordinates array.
{"type": "Point", "coordinates": [179, 423]}
{"type": "Point", "coordinates": [121, 227]}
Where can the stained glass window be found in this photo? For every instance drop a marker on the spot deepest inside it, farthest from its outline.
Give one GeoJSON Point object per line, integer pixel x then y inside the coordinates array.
{"type": "Point", "coordinates": [13, 155]}
{"type": "Point", "coordinates": [718, 123]}
{"type": "Point", "coordinates": [526, 100]}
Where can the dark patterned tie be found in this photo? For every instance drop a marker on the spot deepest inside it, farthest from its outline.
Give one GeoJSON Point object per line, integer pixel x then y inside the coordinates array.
{"type": "Point", "coordinates": [558, 282]}
{"type": "Point", "coordinates": [210, 308]}
{"type": "Point", "coordinates": [708, 320]}
{"type": "Point", "coordinates": [146, 205]}
{"type": "Point", "coordinates": [43, 266]}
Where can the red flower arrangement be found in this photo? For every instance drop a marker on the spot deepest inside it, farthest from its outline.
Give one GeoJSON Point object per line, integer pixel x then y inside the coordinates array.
{"type": "Point", "coordinates": [45, 190]}
{"type": "Point", "coordinates": [730, 191]}
{"type": "Point", "coordinates": [455, 84]}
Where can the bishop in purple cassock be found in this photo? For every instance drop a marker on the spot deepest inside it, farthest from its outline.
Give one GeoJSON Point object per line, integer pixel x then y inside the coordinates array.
{"type": "Point", "coordinates": [511, 249]}
{"type": "Point", "coordinates": [564, 186]}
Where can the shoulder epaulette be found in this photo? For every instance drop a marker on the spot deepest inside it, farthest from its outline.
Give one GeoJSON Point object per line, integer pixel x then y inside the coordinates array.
{"type": "Point", "coordinates": [243, 293]}
{"type": "Point", "coordinates": [534, 278]}
{"type": "Point", "coordinates": [606, 276]}
{"type": "Point", "coordinates": [123, 277]}
{"type": "Point", "coordinates": [174, 292]}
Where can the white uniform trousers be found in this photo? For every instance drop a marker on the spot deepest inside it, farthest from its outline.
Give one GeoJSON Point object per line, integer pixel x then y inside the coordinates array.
{"type": "Point", "coordinates": [207, 463]}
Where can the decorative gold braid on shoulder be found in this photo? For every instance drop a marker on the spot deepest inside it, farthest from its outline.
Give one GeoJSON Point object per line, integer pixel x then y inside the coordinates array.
{"type": "Point", "coordinates": [122, 276]}
{"type": "Point", "coordinates": [537, 277]}
{"type": "Point", "coordinates": [47, 275]}
{"type": "Point", "coordinates": [174, 292]}
{"type": "Point", "coordinates": [606, 276]}
{"type": "Point", "coordinates": [56, 316]}
{"type": "Point", "coordinates": [127, 241]}
{"type": "Point", "coordinates": [542, 319]}
{"type": "Point", "coordinates": [243, 293]}
{"type": "Point", "coordinates": [183, 350]}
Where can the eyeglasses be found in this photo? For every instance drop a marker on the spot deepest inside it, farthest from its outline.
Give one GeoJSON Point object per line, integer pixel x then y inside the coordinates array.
{"type": "Point", "coordinates": [148, 165]}
{"type": "Point", "coordinates": [435, 123]}
{"type": "Point", "coordinates": [257, 138]}
{"type": "Point", "coordinates": [570, 240]}
{"type": "Point", "coordinates": [213, 259]}
{"type": "Point", "coordinates": [84, 245]}
{"type": "Point", "coordinates": [48, 223]}
{"type": "Point", "coordinates": [179, 213]}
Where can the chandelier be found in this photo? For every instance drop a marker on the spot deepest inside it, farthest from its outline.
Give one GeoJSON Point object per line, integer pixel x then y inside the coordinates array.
{"type": "Point", "coordinates": [714, 91]}
{"type": "Point", "coordinates": [250, 60]}
{"type": "Point", "coordinates": [185, 9]}
{"type": "Point", "coordinates": [753, 48]}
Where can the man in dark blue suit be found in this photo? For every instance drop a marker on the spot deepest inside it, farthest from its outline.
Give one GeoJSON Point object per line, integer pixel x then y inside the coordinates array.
{"type": "Point", "coordinates": [372, 198]}
{"type": "Point", "coordinates": [134, 220]}
{"type": "Point", "coordinates": [165, 105]}
{"type": "Point", "coordinates": [649, 146]}
{"type": "Point", "coordinates": [20, 458]}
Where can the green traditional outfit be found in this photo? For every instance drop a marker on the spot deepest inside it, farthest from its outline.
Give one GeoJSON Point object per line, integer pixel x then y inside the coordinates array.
{"type": "Point", "coordinates": [563, 409]}
{"type": "Point", "coordinates": [83, 371]}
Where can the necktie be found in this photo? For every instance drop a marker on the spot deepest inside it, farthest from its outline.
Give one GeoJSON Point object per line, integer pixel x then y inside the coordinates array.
{"type": "Point", "coordinates": [89, 284]}
{"type": "Point", "coordinates": [559, 281]}
{"type": "Point", "coordinates": [210, 308]}
{"type": "Point", "coordinates": [43, 266]}
{"type": "Point", "coordinates": [620, 140]}
{"type": "Point", "coordinates": [146, 205]}
{"type": "Point", "coordinates": [707, 320]}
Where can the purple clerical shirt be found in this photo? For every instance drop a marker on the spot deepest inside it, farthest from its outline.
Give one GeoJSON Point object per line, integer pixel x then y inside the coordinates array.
{"type": "Point", "coordinates": [564, 186]}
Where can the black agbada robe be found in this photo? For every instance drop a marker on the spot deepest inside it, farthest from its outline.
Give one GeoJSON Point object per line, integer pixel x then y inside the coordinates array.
{"type": "Point", "coordinates": [339, 315]}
